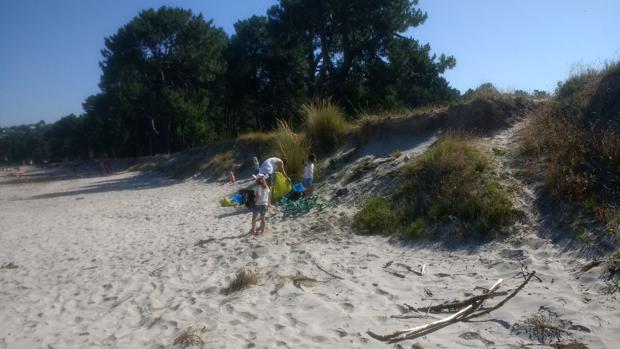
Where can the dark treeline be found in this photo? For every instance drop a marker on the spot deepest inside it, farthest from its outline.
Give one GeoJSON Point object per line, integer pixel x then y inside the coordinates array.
{"type": "Point", "coordinates": [172, 80]}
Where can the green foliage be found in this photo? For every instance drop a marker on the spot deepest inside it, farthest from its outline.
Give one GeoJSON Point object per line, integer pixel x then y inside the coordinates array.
{"type": "Point", "coordinates": [485, 90]}
{"type": "Point", "coordinates": [293, 149]}
{"type": "Point", "coordinates": [26, 142]}
{"type": "Point", "coordinates": [161, 78]}
{"type": "Point", "coordinates": [451, 185]}
{"type": "Point", "coordinates": [66, 138]}
{"type": "Point", "coordinates": [324, 125]}
{"type": "Point", "coordinates": [171, 80]}
{"type": "Point", "coordinates": [378, 216]}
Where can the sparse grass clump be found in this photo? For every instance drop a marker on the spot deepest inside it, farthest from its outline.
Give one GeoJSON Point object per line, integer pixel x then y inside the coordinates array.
{"type": "Point", "coordinates": [261, 143]}
{"type": "Point", "coordinates": [191, 337]}
{"type": "Point", "coordinates": [222, 162]}
{"type": "Point", "coordinates": [450, 186]}
{"type": "Point", "coordinates": [244, 279]}
{"type": "Point", "coordinates": [324, 125]}
{"type": "Point", "coordinates": [292, 148]}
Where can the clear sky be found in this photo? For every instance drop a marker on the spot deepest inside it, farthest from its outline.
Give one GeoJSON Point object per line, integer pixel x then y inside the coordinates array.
{"type": "Point", "coordinates": [50, 50]}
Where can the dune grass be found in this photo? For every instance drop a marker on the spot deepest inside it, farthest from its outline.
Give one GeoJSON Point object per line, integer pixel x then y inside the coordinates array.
{"type": "Point", "coordinates": [293, 148]}
{"type": "Point", "coordinates": [324, 125]}
{"type": "Point", "coordinates": [451, 189]}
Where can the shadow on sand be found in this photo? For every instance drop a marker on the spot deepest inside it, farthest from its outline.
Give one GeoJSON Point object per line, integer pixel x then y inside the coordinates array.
{"type": "Point", "coordinates": [140, 181]}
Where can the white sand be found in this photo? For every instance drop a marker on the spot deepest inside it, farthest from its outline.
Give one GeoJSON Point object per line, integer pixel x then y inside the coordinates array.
{"type": "Point", "coordinates": [113, 262]}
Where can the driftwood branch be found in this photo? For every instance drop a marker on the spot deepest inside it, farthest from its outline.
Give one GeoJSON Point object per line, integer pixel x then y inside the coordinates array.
{"type": "Point", "coordinates": [503, 301]}
{"type": "Point", "coordinates": [452, 306]}
{"type": "Point", "coordinates": [473, 308]}
{"type": "Point", "coordinates": [419, 330]}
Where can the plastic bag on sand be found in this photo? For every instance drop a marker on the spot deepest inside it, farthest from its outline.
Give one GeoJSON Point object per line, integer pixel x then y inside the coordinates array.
{"type": "Point", "coordinates": [226, 202]}
{"type": "Point", "coordinates": [281, 186]}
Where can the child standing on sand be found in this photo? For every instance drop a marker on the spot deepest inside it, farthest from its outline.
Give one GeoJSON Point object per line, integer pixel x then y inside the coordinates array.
{"type": "Point", "coordinates": [309, 175]}
{"type": "Point", "coordinates": [262, 197]}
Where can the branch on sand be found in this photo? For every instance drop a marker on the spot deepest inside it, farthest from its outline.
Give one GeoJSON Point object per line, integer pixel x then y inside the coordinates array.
{"type": "Point", "coordinates": [327, 272]}
{"type": "Point", "coordinates": [471, 310]}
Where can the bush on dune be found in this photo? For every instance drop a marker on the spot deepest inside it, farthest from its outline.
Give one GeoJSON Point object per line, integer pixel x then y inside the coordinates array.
{"type": "Point", "coordinates": [575, 142]}
{"type": "Point", "coordinates": [450, 186]}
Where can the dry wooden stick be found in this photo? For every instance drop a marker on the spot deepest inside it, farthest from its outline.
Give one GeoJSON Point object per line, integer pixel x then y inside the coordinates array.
{"type": "Point", "coordinates": [409, 269]}
{"type": "Point", "coordinates": [401, 335]}
{"type": "Point", "coordinates": [503, 301]}
{"type": "Point", "coordinates": [326, 272]}
{"type": "Point", "coordinates": [432, 326]}
{"type": "Point", "coordinates": [447, 307]}
{"type": "Point", "coordinates": [394, 273]}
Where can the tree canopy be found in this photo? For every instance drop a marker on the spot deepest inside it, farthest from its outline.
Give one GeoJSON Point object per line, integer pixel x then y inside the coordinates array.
{"type": "Point", "coordinates": [172, 80]}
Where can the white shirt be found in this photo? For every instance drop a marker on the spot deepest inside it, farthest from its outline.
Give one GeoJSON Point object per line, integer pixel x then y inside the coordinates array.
{"type": "Point", "coordinates": [268, 166]}
{"type": "Point", "coordinates": [262, 198]}
{"type": "Point", "coordinates": [309, 170]}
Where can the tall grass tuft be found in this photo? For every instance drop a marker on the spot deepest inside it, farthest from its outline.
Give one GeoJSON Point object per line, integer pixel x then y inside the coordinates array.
{"type": "Point", "coordinates": [292, 148]}
{"type": "Point", "coordinates": [324, 125]}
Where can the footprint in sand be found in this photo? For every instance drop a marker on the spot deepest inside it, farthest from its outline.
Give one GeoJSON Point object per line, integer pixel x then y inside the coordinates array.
{"type": "Point", "coordinates": [348, 307]}
{"type": "Point", "coordinates": [282, 344]}
{"type": "Point", "coordinates": [248, 316]}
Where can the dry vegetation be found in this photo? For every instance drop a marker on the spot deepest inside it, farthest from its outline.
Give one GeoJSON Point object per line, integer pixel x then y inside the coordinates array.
{"type": "Point", "coordinates": [191, 337]}
{"type": "Point", "coordinates": [293, 149]}
{"type": "Point", "coordinates": [244, 279]}
{"type": "Point", "coordinates": [545, 327]}
{"type": "Point", "coordinates": [324, 125]}
{"type": "Point", "coordinates": [574, 144]}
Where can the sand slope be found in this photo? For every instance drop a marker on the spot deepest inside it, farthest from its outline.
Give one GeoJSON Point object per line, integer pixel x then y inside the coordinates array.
{"type": "Point", "coordinates": [131, 260]}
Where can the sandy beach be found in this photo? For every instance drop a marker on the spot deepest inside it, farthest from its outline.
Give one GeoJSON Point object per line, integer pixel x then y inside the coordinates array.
{"type": "Point", "coordinates": [133, 259]}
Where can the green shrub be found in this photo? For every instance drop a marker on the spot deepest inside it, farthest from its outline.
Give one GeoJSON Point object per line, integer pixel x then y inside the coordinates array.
{"type": "Point", "coordinates": [377, 217]}
{"type": "Point", "coordinates": [452, 184]}
{"type": "Point", "coordinates": [324, 125]}
{"type": "Point", "coordinates": [293, 149]}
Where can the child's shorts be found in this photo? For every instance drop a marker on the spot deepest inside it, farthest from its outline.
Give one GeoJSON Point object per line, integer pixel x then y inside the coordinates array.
{"type": "Point", "coordinates": [308, 183]}
{"type": "Point", "coordinates": [260, 210]}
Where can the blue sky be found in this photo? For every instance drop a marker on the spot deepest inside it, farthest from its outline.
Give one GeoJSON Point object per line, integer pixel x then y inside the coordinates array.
{"type": "Point", "coordinates": [49, 50]}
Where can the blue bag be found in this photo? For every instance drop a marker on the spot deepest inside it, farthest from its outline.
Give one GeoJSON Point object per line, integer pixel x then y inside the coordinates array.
{"type": "Point", "coordinates": [299, 188]}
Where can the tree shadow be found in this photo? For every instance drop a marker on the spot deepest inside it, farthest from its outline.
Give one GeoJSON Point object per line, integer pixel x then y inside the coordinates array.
{"type": "Point", "coordinates": [555, 222]}
{"type": "Point", "coordinates": [236, 212]}
{"type": "Point", "coordinates": [140, 181]}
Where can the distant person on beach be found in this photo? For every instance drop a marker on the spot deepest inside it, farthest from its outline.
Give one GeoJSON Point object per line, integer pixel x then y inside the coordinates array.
{"type": "Point", "coordinates": [271, 166]}
{"type": "Point", "coordinates": [309, 175]}
{"type": "Point", "coordinates": [231, 176]}
{"type": "Point", "coordinates": [105, 167]}
{"type": "Point", "coordinates": [262, 201]}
